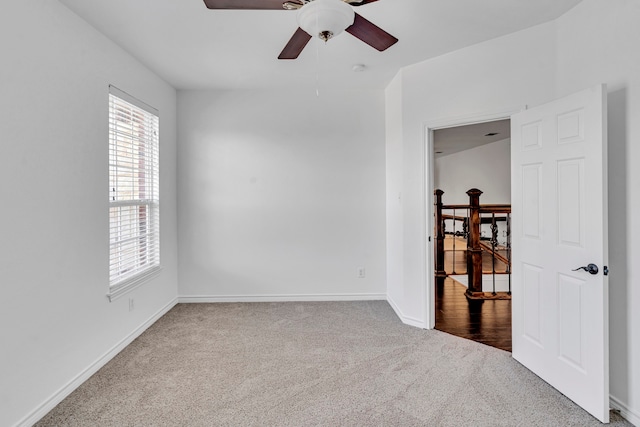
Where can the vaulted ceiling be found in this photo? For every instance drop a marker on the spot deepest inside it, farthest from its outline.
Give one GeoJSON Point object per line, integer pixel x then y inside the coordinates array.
{"type": "Point", "coordinates": [192, 47]}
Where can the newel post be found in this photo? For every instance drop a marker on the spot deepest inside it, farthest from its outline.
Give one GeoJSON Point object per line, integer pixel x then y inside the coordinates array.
{"type": "Point", "coordinates": [440, 272]}
{"type": "Point", "coordinates": [474, 251]}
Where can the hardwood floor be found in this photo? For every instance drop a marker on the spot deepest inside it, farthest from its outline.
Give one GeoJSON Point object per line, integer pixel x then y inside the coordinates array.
{"type": "Point", "coordinates": [485, 321]}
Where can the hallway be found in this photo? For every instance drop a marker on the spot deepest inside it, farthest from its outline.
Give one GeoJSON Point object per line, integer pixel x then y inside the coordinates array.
{"type": "Point", "coordinates": [484, 321]}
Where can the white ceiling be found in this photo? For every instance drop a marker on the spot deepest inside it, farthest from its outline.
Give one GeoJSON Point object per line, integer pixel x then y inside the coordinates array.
{"type": "Point", "coordinates": [460, 138]}
{"type": "Point", "coordinates": [192, 47]}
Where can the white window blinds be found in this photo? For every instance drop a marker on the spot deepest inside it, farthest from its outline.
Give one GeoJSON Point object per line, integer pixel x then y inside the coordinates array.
{"type": "Point", "coordinates": [133, 191]}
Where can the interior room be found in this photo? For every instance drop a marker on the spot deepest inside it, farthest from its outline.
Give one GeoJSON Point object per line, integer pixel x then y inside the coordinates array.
{"type": "Point", "coordinates": [301, 180]}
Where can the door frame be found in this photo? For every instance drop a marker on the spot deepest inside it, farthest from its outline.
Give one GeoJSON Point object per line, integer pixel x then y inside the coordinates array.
{"type": "Point", "coordinates": [428, 181]}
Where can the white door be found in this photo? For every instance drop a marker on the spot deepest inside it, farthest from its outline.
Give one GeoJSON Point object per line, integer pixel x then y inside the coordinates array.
{"type": "Point", "coordinates": [559, 205]}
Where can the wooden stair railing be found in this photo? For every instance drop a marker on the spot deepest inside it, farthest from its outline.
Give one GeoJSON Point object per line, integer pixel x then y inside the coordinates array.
{"type": "Point", "coordinates": [487, 247]}
{"type": "Point", "coordinates": [472, 230]}
{"type": "Point", "coordinates": [439, 267]}
{"type": "Point", "coordinates": [474, 251]}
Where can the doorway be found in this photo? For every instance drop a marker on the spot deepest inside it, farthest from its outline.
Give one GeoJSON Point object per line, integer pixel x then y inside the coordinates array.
{"type": "Point", "coordinates": [464, 157]}
{"type": "Point", "coordinates": [560, 216]}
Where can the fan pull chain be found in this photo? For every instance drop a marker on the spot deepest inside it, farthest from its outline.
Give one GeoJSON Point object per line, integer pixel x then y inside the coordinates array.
{"type": "Point", "coordinates": [317, 71]}
{"type": "Point", "coordinates": [317, 62]}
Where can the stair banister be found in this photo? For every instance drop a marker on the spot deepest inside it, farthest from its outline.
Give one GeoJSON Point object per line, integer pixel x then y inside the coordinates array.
{"type": "Point", "coordinates": [439, 258]}
{"type": "Point", "coordinates": [474, 251]}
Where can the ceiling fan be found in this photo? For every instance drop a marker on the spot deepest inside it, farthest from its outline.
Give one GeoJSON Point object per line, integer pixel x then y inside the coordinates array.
{"type": "Point", "coordinates": [322, 18]}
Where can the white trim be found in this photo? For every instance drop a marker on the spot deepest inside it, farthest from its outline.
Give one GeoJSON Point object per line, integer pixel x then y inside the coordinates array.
{"type": "Point", "coordinates": [425, 230]}
{"type": "Point", "coordinates": [133, 100]}
{"type": "Point", "coordinates": [625, 412]}
{"type": "Point", "coordinates": [126, 286]}
{"type": "Point", "coordinates": [280, 298]}
{"type": "Point", "coordinates": [472, 119]}
{"type": "Point", "coordinates": [411, 321]}
{"type": "Point", "coordinates": [428, 234]}
{"type": "Point", "coordinates": [427, 143]}
{"type": "Point", "coordinates": [84, 375]}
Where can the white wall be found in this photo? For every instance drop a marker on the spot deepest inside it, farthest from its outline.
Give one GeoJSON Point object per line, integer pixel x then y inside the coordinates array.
{"type": "Point", "coordinates": [596, 42]}
{"type": "Point", "coordinates": [487, 167]}
{"type": "Point", "coordinates": [55, 319]}
{"type": "Point", "coordinates": [281, 195]}
{"type": "Point", "coordinates": [393, 157]}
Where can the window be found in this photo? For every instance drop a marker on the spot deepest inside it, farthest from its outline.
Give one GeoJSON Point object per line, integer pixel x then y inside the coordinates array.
{"type": "Point", "coordinates": [134, 253]}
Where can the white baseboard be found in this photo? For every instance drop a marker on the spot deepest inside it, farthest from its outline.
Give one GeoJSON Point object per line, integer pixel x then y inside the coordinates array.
{"type": "Point", "coordinates": [67, 389]}
{"type": "Point", "coordinates": [628, 414]}
{"type": "Point", "coordinates": [407, 320]}
{"type": "Point", "coordinates": [280, 298]}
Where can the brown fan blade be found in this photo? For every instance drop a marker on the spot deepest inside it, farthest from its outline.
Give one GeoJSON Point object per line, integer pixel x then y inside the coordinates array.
{"type": "Point", "coordinates": [296, 44]}
{"type": "Point", "coordinates": [245, 4]}
{"type": "Point", "coordinates": [371, 34]}
{"type": "Point", "coordinates": [360, 2]}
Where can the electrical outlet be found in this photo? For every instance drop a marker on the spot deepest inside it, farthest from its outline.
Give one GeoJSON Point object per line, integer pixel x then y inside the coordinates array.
{"type": "Point", "coordinates": [131, 304]}
{"type": "Point", "coordinates": [362, 273]}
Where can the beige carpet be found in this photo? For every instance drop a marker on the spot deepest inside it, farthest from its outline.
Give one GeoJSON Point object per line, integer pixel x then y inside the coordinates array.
{"type": "Point", "coordinates": [310, 364]}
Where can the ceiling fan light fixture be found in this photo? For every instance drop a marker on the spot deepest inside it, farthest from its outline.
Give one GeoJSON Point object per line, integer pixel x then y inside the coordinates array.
{"type": "Point", "coordinates": [325, 19]}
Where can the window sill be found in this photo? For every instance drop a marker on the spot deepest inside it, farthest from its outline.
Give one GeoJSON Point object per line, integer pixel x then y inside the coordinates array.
{"type": "Point", "coordinates": [118, 290]}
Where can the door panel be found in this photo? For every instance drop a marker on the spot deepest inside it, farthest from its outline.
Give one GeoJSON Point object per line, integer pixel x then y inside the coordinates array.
{"type": "Point", "coordinates": [571, 333]}
{"type": "Point", "coordinates": [559, 206]}
{"type": "Point", "coordinates": [531, 300]}
{"type": "Point", "coordinates": [532, 203]}
{"type": "Point", "coordinates": [570, 207]}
